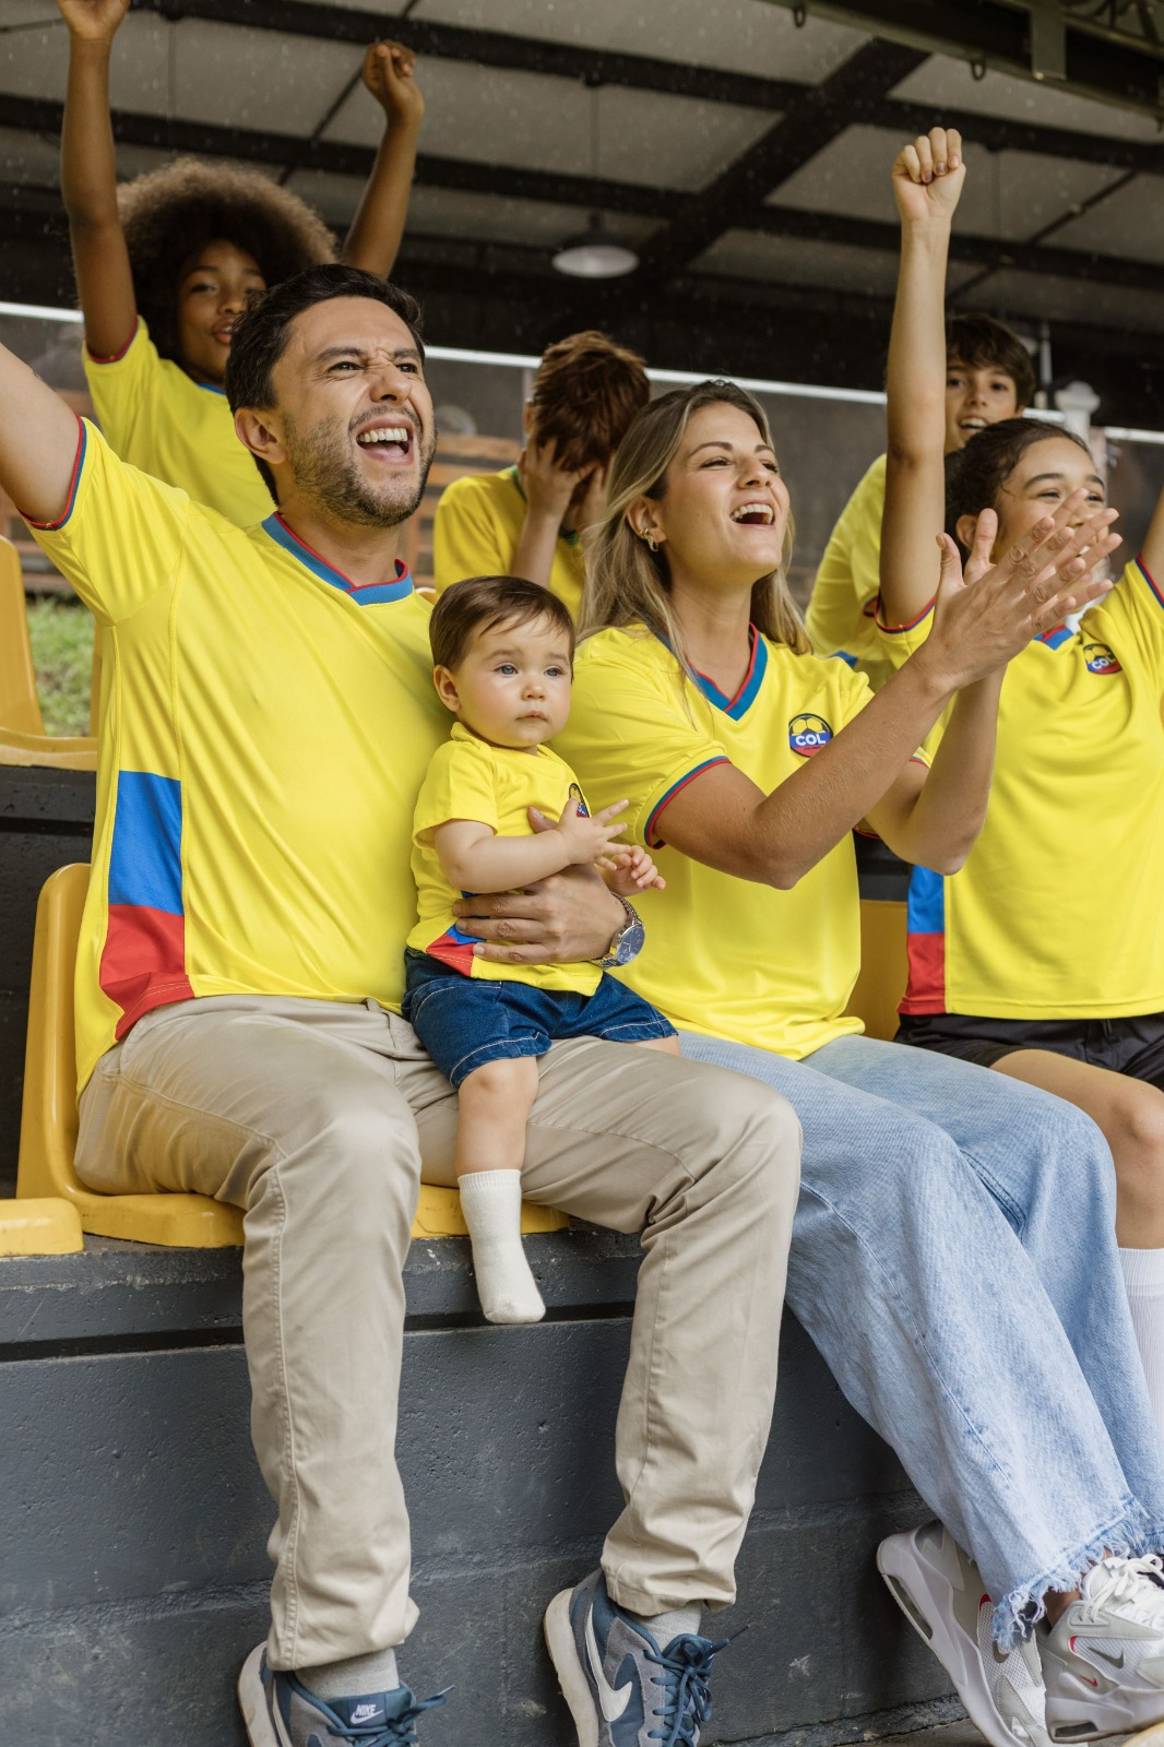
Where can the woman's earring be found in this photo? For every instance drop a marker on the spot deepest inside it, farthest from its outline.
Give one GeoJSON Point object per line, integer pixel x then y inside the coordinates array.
{"type": "Point", "coordinates": [651, 538]}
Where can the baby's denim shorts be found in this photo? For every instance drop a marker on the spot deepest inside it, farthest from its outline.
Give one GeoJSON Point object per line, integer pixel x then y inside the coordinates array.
{"type": "Point", "coordinates": [464, 1022]}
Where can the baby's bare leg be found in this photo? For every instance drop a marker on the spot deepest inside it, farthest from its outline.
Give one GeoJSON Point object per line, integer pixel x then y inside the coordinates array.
{"type": "Point", "coordinates": [493, 1104]}
{"type": "Point", "coordinates": [669, 1044]}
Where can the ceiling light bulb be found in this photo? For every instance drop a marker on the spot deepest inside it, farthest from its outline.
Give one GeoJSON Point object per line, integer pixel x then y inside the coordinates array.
{"type": "Point", "coordinates": [595, 253]}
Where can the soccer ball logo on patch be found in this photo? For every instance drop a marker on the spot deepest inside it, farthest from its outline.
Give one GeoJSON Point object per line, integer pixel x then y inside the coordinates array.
{"type": "Point", "coordinates": [1100, 658]}
{"type": "Point", "coordinates": [807, 733]}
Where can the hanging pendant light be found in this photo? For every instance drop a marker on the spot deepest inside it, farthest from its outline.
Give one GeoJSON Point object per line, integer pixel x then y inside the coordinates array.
{"type": "Point", "coordinates": [596, 252]}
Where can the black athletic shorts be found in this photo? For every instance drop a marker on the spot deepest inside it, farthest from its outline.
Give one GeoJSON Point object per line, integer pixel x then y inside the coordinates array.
{"type": "Point", "coordinates": [1126, 1046]}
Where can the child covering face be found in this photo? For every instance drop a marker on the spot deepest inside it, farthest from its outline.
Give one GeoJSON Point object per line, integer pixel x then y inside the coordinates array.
{"type": "Point", "coordinates": [503, 650]}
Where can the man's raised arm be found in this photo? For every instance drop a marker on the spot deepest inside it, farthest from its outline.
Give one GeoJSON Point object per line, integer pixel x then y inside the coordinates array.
{"type": "Point", "coordinates": [39, 437]}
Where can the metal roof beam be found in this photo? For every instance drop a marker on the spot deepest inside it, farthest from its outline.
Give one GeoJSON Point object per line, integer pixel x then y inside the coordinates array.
{"type": "Point", "coordinates": [207, 139]}
{"type": "Point", "coordinates": [818, 117]}
{"type": "Point", "coordinates": [996, 254]}
{"type": "Point", "coordinates": [1002, 34]}
{"type": "Point", "coordinates": [499, 181]}
{"type": "Point", "coordinates": [488, 48]}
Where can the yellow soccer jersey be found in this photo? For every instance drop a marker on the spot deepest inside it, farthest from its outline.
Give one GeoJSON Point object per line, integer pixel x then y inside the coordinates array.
{"type": "Point", "coordinates": [159, 419]}
{"type": "Point", "coordinates": [476, 530]}
{"type": "Point", "coordinates": [1056, 912]}
{"type": "Point", "coordinates": [723, 956]}
{"type": "Point", "coordinates": [267, 727]}
{"type": "Point", "coordinates": [844, 595]}
{"type": "Point", "coordinates": [495, 786]}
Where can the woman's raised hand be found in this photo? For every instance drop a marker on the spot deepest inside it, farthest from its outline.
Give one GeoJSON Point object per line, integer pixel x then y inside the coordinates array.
{"type": "Point", "coordinates": [984, 617]}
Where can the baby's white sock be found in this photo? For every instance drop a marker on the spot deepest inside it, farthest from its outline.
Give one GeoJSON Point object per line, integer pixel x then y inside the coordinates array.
{"type": "Point", "coordinates": [491, 1203]}
{"type": "Point", "coordinates": [1143, 1272]}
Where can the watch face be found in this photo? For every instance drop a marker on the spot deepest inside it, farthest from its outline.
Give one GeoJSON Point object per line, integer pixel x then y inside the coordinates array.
{"type": "Point", "coordinates": [630, 942]}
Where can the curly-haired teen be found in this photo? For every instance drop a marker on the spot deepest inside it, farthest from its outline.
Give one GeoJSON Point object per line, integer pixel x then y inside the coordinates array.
{"type": "Point", "coordinates": [526, 520]}
{"type": "Point", "coordinates": [989, 376]}
{"type": "Point", "coordinates": [165, 265]}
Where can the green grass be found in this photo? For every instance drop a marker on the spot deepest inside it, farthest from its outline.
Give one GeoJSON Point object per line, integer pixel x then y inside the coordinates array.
{"type": "Point", "coordinates": [62, 651]}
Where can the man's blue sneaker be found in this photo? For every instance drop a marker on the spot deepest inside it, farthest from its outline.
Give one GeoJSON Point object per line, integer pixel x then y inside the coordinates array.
{"type": "Point", "coordinates": [623, 1689]}
{"type": "Point", "coordinates": [280, 1712]}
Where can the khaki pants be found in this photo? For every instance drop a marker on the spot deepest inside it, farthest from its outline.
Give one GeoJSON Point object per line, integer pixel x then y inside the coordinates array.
{"type": "Point", "coordinates": [319, 1119]}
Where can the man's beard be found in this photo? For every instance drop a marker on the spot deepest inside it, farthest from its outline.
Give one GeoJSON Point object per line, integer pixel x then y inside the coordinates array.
{"type": "Point", "coordinates": [325, 469]}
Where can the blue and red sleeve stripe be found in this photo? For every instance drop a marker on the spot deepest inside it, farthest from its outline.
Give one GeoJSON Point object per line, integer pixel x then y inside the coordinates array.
{"type": "Point", "coordinates": [650, 836]}
{"type": "Point", "coordinates": [74, 481]}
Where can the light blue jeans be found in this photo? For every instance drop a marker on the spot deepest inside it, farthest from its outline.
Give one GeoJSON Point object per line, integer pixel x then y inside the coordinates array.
{"type": "Point", "coordinates": [954, 1259]}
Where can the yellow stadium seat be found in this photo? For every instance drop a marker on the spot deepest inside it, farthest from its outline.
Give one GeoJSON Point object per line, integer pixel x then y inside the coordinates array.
{"type": "Point", "coordinates": [19, 706]}
{"type": "Point", "coordinates": [881, 983]}
{"type": "Point", "coordinates": [23, 740]}
{"type": "Point", "coordinates": [43, 1227]}
{"type": "Point", "coordinates": [48, 1131]}
{"type": "Point", "coordinates": [54, 751]}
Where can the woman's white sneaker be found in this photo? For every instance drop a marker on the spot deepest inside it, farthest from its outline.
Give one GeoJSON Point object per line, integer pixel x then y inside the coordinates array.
{"type": "Point", "coordinates": [1103, 1660]}
{"type": "Point", "coordinates": [940, 1591]}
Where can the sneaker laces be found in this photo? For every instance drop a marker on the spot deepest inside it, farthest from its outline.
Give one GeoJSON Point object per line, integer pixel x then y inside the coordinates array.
{"type": "Point", "coordinates": [1125, 1583]}
{"type": "Point", "coordinates": [686, 1665]}
{"type": "Point", "coordinates": [396, 1732]}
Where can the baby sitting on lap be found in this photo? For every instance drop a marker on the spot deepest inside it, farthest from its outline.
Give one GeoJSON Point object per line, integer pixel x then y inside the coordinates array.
{"type": "Point", "coordinates": [503, 650]}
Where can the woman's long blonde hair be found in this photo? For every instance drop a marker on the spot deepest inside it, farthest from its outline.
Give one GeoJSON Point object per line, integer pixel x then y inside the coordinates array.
{"type": "Point", "coordinates": [627, 583]}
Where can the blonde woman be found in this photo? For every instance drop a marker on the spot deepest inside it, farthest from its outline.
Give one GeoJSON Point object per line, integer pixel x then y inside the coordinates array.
{"type": "Point", "coordinates": [930, 1262]}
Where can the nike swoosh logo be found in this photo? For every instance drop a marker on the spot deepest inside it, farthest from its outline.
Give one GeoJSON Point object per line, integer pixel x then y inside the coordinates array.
{"type": "Point", "coordinates": [612, 1703]}
{"type": "Point", "coordinates": [1116, 1661]}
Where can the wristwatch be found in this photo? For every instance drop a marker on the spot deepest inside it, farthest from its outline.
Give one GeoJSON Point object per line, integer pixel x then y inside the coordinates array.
{"type": "Point", "coordinates": [628, 942]}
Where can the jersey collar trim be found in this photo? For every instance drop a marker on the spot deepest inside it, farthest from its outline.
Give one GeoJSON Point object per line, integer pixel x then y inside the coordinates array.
{"type": "Point", "coordinates": [365, 594]}
{"type": "Point", "coordinates": [1056, 636]}
{"type": "Point", "coordinates": [749, 686]}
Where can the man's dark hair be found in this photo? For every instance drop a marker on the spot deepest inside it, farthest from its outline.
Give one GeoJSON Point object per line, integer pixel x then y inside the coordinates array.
{"type": "Point", "coordinates": [260, 338]}
{"type": "Point", "coordinates": [976, 474]}
{"type": "Point", "coordinates": [981, 342]}
{"type": "Point", "coordinates": [481, 603]}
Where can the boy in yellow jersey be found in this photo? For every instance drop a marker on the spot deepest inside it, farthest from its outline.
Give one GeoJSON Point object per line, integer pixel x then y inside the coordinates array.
{"type": "Point", "coordinates": [989, 376]}
{"type": "Point", "coordinates": [527, 520]}
{"type": "Point", "coordinates": [165, 265]}
{"type": "Point", "coordinates": [239, 980]}
{"type": "Point", "coordinates": [504, 650]}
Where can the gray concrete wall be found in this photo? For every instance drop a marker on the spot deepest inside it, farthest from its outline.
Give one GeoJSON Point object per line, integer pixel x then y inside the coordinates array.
{"type": "Point", "coordinates": [132, 1559]}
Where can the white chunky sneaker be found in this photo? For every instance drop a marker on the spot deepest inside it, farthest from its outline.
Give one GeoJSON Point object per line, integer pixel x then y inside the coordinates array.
{"type": "Point", "coordinates": [940, 1591]}
{"type": "Point", "coordinates": [1103, 1660]}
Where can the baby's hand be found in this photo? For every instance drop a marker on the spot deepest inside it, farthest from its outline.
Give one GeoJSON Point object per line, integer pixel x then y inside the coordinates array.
{"type": "Point", "coordinates": [587, 839]}
{"type": "Point", "coordinates": [631, 870]}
